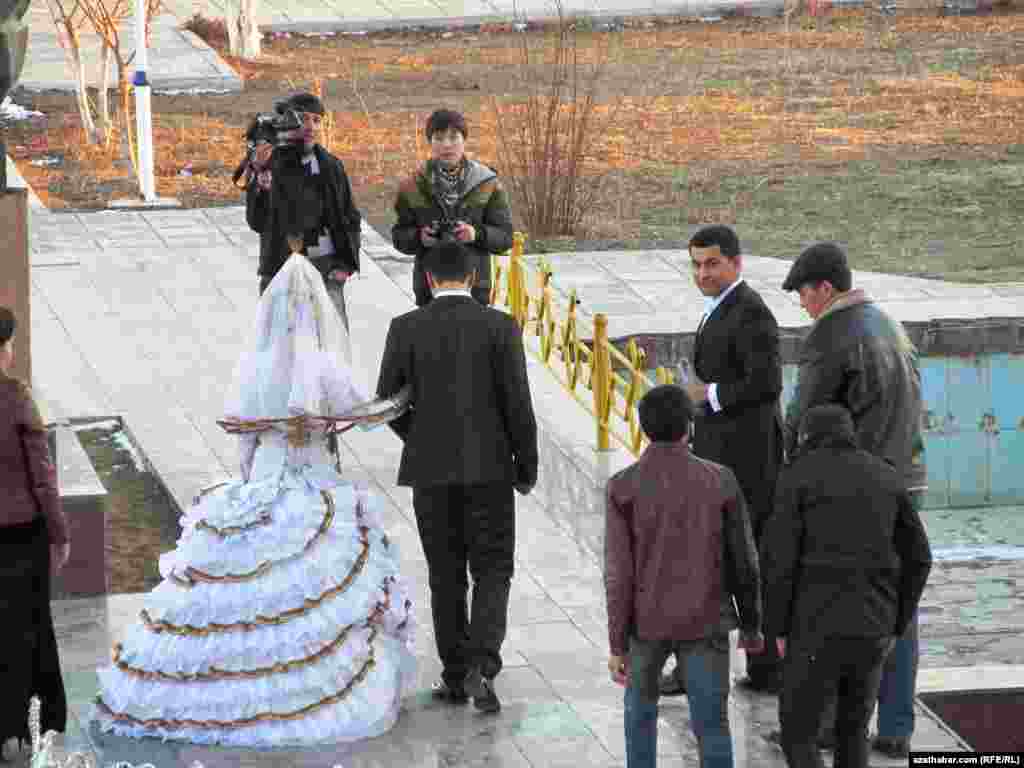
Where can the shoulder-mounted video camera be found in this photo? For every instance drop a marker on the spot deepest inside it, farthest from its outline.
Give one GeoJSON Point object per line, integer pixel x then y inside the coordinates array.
{"type": "Point", "coordinates": [277, 128]}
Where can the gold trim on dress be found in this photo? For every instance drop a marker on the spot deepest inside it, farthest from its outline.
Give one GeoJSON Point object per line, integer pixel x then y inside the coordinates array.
{"type": "Point", "coordinates": [263, 717]}
{"type": "Point", "coordinates": [193, 576]}
{"type": "Point", "coordinates": [227, 674]}
{"type": "Point", "coordinates": [262, 621]}
{"type": "Point", "coordinates": [248, 674]}
{"type": "Point", "coordinates": [233, 530]}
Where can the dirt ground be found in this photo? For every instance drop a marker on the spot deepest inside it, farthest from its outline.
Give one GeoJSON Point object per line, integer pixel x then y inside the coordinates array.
{"type": "Point", "coordinates": [901, 137]}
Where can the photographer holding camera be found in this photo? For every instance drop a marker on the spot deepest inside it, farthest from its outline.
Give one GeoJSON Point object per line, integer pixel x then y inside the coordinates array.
{"type": "Point", "coordinates": [297, 188]}
{"type": "Point", "coordinates": [452, 198]}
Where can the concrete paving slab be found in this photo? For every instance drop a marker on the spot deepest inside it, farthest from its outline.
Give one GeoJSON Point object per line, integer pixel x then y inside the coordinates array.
{"type": "Point", "coordinates": [178, 60]}
{"type": "Point", "coordinates": [159, 340]}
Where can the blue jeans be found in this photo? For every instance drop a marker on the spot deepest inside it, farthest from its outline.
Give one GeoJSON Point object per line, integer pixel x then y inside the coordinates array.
{"type": "Point", "coordinates": [705, 664]}
{"type": "Point", "coordinates": [899, 681]}
{"type": "Point", "coordinates": [899, 676]}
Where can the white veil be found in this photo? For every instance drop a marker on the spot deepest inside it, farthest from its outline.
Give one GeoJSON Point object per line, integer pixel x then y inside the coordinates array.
{"type": "Point", "coordinates": [296, 361]}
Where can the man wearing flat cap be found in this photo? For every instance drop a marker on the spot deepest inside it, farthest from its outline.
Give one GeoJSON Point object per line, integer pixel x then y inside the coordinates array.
{"type": "Point", "coordinates": [308, 194]}
{"type": "Point", "coordinates": [859, 357]}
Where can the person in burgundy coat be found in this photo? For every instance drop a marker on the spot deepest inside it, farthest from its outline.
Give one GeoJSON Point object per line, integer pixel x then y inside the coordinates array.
{"type": "Point", "coordinates": [681, 571]}
{"type": "Point", "coordinates": [33, 540]}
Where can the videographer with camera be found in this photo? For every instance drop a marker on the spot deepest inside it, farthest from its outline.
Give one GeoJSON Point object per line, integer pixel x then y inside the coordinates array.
{"type": "Point", "coordinates": [452, 198]}
{"type": "Point", "coordinates": [296, 187]}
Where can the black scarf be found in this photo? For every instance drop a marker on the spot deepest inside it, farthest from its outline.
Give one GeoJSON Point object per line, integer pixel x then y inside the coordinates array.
{"type": "Point", "coordinates": [449, 184]}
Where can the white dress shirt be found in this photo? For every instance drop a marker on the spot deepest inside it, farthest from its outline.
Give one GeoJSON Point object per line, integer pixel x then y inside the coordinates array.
{"type": "Point", "coordinates": [453, 292]}
{"type": "Point", "coordinates": [710, 305]}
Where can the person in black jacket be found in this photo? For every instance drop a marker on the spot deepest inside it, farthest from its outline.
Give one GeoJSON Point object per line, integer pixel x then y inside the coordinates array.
{"type": "Point", "coordinates": [736, 388]}
{"type": "Point", "coordinates": [859, 357]}
{"type": "Point", "coordinates": [470, 438]}
{"type": "Point", "coordinates": [845, 560]}
{"type": "Point", "coordinates": [306, 193]}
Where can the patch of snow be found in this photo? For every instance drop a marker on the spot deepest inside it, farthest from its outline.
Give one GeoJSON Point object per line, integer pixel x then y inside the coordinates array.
{"type": "Point", "coordinates": [9, 111]}
{"type": "Point", "coordinates": [110, 425]}
{"type": "Point", "coordinates": [190, 91]}
{"type": "Point", "coordinates": [122, 441]}
{"type": "Point", "coordinates": [974, 554]}
{"type": "Point", "coordinates": [119, 438]}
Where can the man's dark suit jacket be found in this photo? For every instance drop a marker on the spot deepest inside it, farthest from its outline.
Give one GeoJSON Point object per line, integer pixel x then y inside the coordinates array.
{"type": "Point", "coordinates": [737, 348]}
{"type": "Point", "coordinates": [471, 419]}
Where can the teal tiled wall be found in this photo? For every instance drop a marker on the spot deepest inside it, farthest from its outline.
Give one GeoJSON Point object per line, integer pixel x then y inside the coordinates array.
{"type": "Point", "coordinates": [974, 436]}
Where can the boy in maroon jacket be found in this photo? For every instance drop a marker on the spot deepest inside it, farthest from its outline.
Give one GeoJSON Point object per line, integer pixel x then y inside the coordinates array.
{"type": "Point", "coordinates": [679, 560]}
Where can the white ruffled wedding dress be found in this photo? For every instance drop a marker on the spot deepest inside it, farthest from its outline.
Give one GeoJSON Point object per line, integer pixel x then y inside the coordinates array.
{"type": "Point", "coordinates": [282, 618]}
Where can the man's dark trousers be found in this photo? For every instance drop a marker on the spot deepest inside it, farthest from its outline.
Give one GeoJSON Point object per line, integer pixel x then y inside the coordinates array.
{"type": "Point", "coordinates": [898, 687]}
{"type": "Point", "coordinates": [814, 667]}
{"type": "Point", "coordinates": [470, 525]}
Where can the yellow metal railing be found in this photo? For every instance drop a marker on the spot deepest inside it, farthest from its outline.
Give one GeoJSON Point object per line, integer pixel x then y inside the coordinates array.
{"type": "Point", "coordinates": [613, 396]}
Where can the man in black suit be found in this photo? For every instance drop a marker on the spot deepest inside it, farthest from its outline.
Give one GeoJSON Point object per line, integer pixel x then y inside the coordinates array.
{"type": "Point", "coordinates": [470, 439]}
{"type": "Point", "coordinates": [737, 386]}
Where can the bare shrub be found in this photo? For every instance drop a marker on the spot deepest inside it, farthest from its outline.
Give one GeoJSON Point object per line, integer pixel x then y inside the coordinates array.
{"type": "Point", "coordinates": [544, 145]}
{"type": "Point", "coordinates": [213, 32]}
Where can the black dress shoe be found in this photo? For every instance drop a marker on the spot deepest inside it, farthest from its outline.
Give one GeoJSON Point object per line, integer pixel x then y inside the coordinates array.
{"type": "Point", "coordinates": [670, 685]}
{"type": "Point", "coordinates": [455, 694]}
{"type": "Point", "coordinates": [482, 691]}
{"type": "Point", "coordinates": [756, 686]}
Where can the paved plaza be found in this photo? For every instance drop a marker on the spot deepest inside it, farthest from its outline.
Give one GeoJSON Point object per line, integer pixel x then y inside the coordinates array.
{"type": "Point", "coordinates": [140, 315]}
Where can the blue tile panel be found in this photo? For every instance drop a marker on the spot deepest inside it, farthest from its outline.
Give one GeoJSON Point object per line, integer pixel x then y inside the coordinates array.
{"type": "Point", "coordinates": [974, 428]}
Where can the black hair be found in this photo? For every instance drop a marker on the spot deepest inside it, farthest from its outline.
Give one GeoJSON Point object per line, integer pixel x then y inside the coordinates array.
{"type": "Point", "coordinates": [7, 325]}
{"type": "Point", "coordinates": [828, 421]}
{"type": "Point", "coordinates": [448, 261]}
{"type": "Point", "coordinates": [826, 262]}
{"type": "Point", "coordinates": [717, 234]}
{"type": "Point", "coordinates": [306, 102]}
{"type": "Point", "coordinates": [666, 412]}
{"type": "Point", "coordinates": [443, 119]}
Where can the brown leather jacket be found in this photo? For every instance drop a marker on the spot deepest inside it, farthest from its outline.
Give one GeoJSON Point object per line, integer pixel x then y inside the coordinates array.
{"type": "Point", "coordinates": [859, 357]}
{"type": "Point", "coordinates": [28, 478]}
{"type": "Point", "coordinates": [678, 548]}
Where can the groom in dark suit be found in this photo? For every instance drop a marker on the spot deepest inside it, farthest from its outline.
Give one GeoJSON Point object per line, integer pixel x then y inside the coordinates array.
{"type": "Point", "coordinates": [470, 439]}
{"type": "Point", "coordinates": [736, 388]}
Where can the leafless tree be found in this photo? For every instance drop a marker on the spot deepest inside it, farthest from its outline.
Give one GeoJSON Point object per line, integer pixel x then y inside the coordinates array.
{"type": "Point", "coordinates": [69, 18]}
{"type": "Point", "coordinates": [107, 19]}
{"type": "Point", "coordinates": [243, 34]}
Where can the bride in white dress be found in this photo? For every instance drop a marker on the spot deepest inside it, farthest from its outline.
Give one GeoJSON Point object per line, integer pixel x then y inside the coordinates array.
{"type": "Point", "coordinates": [281, 618]}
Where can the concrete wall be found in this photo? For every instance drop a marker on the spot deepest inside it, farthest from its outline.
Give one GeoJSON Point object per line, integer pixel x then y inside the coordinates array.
{"type": "Point", "coordinates": [15, 287]}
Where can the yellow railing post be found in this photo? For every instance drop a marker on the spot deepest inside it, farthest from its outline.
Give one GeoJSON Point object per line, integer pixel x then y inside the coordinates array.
{"type": "Point", "coordinates": [517, 294]}
{"type": "Point", "coordinates": [558, 335]}
{"type": "Point", "coordinates": [602, 380]}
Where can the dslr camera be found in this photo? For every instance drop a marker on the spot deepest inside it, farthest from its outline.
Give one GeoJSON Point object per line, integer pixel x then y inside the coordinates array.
{"type": "Point", "coordinates": [444, 229]}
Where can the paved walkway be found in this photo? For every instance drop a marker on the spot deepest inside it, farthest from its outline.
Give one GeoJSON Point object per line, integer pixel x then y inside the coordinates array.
{"type": "Point", "coordinates": [178, 60]}
{"type": "Point", "coordinates": [141, 314]}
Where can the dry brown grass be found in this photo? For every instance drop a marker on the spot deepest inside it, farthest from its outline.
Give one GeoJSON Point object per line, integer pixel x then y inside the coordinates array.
{"type": "Point", "coordinates": [841, 97]}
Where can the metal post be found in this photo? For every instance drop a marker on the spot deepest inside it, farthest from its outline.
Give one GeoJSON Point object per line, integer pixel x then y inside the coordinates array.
{"type": "Point", "coordinates": [143, 107]}
{"type": "Point", "coordinates": [601, 379]}
{"type": "Point", "coordinates": [522, 297]}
